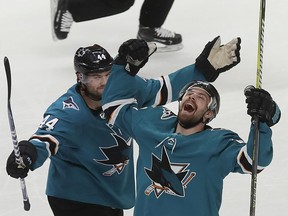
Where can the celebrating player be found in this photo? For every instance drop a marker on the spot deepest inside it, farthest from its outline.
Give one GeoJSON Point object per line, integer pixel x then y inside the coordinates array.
{"type": "Point", "coordinates": [182, 160]}
{"type": "Point", "coordinates": [91, 162]}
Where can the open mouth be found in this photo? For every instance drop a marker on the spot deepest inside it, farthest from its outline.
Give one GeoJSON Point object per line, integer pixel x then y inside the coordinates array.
{"type": "Point", "coordinates": [189, 107]}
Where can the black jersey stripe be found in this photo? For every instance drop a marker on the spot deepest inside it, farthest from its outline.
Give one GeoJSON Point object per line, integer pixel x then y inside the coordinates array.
{"type": "Point", "coordinates": [164, 93]}
{"type": "Point", "coordinates": [53, 143]}
{"type": "Point", "coordinates": [245, 163]}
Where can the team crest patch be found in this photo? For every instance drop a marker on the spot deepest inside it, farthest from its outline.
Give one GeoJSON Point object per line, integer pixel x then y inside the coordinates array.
{"type": "Point", "coordinates": [117, 156]}
{"type": "Point", "coordinates": [167, 177]}
{"type": "Point", "coordinates": [167, 114]}
{"type": "Point", "coordinates": [70, 104]}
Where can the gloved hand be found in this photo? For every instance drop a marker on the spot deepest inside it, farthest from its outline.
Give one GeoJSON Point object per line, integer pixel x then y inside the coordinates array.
{"type": "Point", "coordinates": [260, 104]}
{"type": "Point", "coordinates": [28, 153]}
{"type": "Point", "coordinates": [217, 58]}
{"type": "Point", "coordinates": [134, 54]}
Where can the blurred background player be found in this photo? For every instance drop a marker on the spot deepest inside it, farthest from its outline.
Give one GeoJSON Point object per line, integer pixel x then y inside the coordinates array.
{"type": "Point", "coordinates": [153, 14]}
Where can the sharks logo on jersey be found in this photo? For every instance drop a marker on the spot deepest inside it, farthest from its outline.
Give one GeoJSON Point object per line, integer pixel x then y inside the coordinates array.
{"type": "Point", "coordinates": [169, 142]}
{"type": "Point", "coordinates": [167, 114]}
{"type": "Point", "coordinates": [117, 156]}
{"type": "Point", "coordinates": [167, 177]}
{"type": "Point", "coordinates": [70, 104]}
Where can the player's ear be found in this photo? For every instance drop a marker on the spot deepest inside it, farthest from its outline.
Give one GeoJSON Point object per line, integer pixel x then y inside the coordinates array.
{"type": "Point", "coordinates": [208, 115]}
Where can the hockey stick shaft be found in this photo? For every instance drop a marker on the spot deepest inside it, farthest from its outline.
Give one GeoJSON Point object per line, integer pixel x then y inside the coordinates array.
{"type": "Point", "coordinates": [256, 119]}
{"type": "Point", "coordinates": [19, 160]}
{"type": "Point", "coordinates": [260, 43]}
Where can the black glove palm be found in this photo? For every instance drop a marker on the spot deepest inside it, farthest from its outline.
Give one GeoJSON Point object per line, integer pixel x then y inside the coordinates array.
{"type": "Point", "coordinates": [134, 54]}
{"type": "Point", "coordinates": [29, 155]}
{"type": "Point", "coordinates": [260, 104]}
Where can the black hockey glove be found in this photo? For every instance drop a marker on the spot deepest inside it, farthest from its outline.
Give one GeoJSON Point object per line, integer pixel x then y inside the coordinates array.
{"type": "Point", "coordinates": [260, 104]}
{"type": "Point", "coordinates": [217, 58]}
{"type": "Point", "coordinates": [28, 154]}
{"type": "Point", "coordinates": [134, 54]}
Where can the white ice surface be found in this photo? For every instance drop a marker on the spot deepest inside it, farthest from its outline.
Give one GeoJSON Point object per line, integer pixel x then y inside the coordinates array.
{"type": "Point", "coordinates": [42, 70]}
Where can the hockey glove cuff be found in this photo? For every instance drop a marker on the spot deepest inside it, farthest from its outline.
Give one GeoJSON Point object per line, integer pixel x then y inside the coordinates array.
{"type": "Point", "coordinates": [134, 54]}
{"type": "Point", "coordinates": [217, 58]}
{"type": "Point", "coordinates": [28, 155]}
{"type": "Point", "coordinates": [260, 104]}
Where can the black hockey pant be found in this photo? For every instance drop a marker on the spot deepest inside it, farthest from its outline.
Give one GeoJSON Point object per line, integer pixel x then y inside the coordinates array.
{"type": "Point", "coordinates": [153, 12]}
{"type": "Point", "coordinates": [63, 207]}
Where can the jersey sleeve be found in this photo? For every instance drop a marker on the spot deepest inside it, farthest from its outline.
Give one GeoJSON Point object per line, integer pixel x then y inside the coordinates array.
{"type": "Point", "coordinates": [53, 132]}
{"type": "Point", "coordinates": [45, 139]}
{"type": "Point", "coordinates": [126, 117]}
{"type": "Point", "coordinates": [245, 156]}
{"type": "Point", "coordinates": [236, 154]}
{"type": "Point", "coordinates": [124, 88]}
{"type": "Point", "coordinates": [165, 89]}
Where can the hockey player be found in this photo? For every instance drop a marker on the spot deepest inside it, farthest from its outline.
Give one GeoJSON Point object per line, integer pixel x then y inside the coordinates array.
{"type": "Point", "coordinates": [91, 164]}
{"type": "Point", "coordinates": [152, 16]}
{"type": "Point", "coordinates": [182, 160]}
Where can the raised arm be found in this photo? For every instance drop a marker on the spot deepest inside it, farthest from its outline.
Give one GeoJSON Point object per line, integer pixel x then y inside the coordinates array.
{"type": "Point", "coordinates": [125, 84]}
{"type": "Point", "coordinates": [260, 104]}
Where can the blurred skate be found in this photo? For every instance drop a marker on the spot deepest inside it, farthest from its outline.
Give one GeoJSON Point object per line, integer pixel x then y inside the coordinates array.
{"type": "Point", "coordinates": [61, 19]}
{"type": "Point", "coordinates": [166, 40]}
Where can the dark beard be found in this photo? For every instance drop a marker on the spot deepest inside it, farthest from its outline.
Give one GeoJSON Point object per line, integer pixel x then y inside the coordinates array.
{"type": "Point", "coordinates": [91, 95]}
{"type": "Point", "coordinates": [190, 124]}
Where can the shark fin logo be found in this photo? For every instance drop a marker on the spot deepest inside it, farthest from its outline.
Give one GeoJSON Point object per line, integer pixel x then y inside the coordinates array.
{"type": "Point", "coordinates": [117, 156]}
{"type": "Point", "coordinates": [70, 104]}
{"type": "Point", "coordinates": [167, 114]}
{"type": "Point", "coordinates": [167, 177]}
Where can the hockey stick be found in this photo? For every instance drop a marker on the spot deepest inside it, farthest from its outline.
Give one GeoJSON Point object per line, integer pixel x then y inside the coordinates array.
{"type": "Point", "coordinates": [256, 118]}
{"type": "Point", "coordinates": [14, 135]}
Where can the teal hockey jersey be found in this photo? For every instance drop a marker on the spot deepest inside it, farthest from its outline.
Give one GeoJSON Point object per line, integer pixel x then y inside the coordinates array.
{"type": "Point", "coordinates": [179, 174]}
{"type": "Point", "coordinates": [92, 161]}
